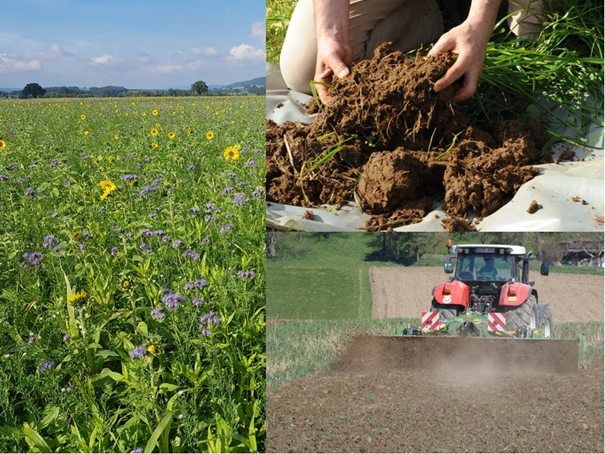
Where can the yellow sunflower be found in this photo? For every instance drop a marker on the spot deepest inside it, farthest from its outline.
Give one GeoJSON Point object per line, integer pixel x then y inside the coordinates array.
{"type": "Point", "coordinates": [108, 185]}
{"type": "Point", "coordinates": [171, 135]}
{"type": "Point", "coordinates": [82, 117]}
{"type": "Point", "coordinates": [2, 144]}
{"type": "Point", "coordinates": [155, 112]}
{"type": "Point", "coordinates": [232, 153]}
{"type": "Point", "coordinates": [154, 145]}
{"type": "Point", "coordinates": [209, 135]}
{"type": "Point", "coordinates": [77, 296]}
{"type": "Point", "coordinates": [154, 132]}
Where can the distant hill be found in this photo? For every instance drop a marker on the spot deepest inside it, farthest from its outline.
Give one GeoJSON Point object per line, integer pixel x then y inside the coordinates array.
{"type": "Point", "coordinates": [249, 83]}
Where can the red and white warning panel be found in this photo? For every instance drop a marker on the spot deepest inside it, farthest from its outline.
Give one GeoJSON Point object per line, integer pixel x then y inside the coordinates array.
{"type": "Point", "coordinates": [496, 321]}
{"type": "Point", "coordinates": [430, 320]}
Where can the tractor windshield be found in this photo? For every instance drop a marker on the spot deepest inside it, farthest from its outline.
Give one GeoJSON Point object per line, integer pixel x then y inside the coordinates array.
{"type": "Point", "coordinates": [480, 267]}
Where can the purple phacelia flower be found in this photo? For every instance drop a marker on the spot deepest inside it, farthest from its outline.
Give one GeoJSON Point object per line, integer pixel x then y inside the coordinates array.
{"type": "Point", "coordinates": [247, 274]}
{"type": "Point", "coordinates": [49, 240]}
{"type": "Point", "coordinates": [157, 313]}
{"type": "Point", "coordinates": [166, 239]}
{"type": "Point", "coordinates": [172, 300]}
{"type": "Point", "coordinates": [206, 240]}
{"type": "Point", "coordinates": [191, 254]}
{"type": "Point", "coordinates": [198, 302]}
{"type": "Point", "coordinates": [46, 365]}
{"type": "Point", "coordinates": [138, 352]}
{"type": "Point", "coordinates": [226, 228]}
{"type": "Point", "coordinates": [114, 250]}
{"type": "Point", "coordinates": [177, 244]}
{"type": "Point", "coordinates": [29, 192]}
{"type": "Point", "coordinates": [152, 216]}
{"type": "Point", "coordinates": [3, 177]}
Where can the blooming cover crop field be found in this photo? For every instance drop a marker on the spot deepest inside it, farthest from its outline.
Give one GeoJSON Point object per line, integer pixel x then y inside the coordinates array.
{"type": "Point", "coordinates": [132, 276]}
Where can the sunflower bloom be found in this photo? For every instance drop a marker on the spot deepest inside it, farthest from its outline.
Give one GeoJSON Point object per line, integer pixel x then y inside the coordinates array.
{"type": "Point", "coordinates": [232, 153]}
{"type": "Point", "coordinates": [171, 135]}
{"type": "Point", "coordinates": [209, 135]}
{"type": "Point", "coordinates": [77, 296]}
{"type": "Point", "coordinates": [82, 117]}
{"type": "Point", "coordinates": [154, 132]}
{"type": "Point", "coordinates": [2, 144]}
{"type": "Point", "coordinates": [155, 113]}
{"type": "Point", "coordinates": [154, 145]}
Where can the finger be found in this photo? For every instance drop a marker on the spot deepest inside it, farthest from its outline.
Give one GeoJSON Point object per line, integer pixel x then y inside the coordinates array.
{"type": "Point", "coordinates": [469, 88]}
{"type": "Point", "coordinates": [444, 44]}
{"type": "Point", "coordinates": [323, 94]}
{"type": "Point", "coordinates": [453, 74]}
{"type": "Point", "coordinates": [337, 66]}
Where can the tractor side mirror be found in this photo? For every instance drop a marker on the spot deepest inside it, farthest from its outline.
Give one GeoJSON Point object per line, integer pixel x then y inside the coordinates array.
{"type": "Point", "coordinates": [544, 269]}
{"type": "Point", "coordinates": [448, 267]}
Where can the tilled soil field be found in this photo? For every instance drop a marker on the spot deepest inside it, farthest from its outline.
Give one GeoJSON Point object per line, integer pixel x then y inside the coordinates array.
{"type": "Point", "coordinates": [406, 292]}
{"type": "Point", "coordinates": [387, 410]}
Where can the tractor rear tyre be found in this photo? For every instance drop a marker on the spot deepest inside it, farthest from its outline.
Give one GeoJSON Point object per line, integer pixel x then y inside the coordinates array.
{"type": "Point", "coordinates": [525, 315]}
{"type": "Point", "coordinates": [547, 324]}
{"type": "Point", "coordinates": [446, 310]}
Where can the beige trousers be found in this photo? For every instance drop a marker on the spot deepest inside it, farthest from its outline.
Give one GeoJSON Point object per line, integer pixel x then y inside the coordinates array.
{"type": "Point", "coordinates": [407, 23]}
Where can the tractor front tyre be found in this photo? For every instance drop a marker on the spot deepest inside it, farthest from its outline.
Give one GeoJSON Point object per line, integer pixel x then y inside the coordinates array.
{"type": "Point", "coordinates": [445, 310]}
{"type": "Point", "coordinates": [523, 316]}
{"type": "Point", "coordinates": [547, 324]}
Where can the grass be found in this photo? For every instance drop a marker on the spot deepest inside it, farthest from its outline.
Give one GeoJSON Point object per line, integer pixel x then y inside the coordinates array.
{"type": "Point", "coordinates": [279, 13]}
{"type": "Point", "coordinates": [132, 287]}
{"type": "Point", "coordinates": [302, 348]}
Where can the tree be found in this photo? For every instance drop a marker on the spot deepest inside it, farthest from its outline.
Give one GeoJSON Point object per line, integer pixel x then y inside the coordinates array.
{"type": "Point", "coordinates": [33, 90]}
{"type": "Point", "coordinates": [199, 87]}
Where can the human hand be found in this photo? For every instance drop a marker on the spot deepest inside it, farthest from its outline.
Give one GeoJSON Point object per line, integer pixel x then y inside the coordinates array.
{"type": "Point", "coordinates": [333, 57]}
{"type": "Point", "coordinates": [469, 42]}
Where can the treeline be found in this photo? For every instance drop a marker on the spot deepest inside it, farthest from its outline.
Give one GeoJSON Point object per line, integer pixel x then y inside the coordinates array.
{"type": "Point", "coordinates": [123, 92]}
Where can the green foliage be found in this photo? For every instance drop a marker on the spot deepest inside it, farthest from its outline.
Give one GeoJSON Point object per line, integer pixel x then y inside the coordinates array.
{"type": "Point", "coordinates": [199, 87]}
{"type": "Point", "coordinates": [33, 90]}
{"type": "Point", "coordinates": [86, 302]}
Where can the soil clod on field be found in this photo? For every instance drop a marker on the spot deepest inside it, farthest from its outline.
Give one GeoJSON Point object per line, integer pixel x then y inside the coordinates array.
{"type": "Point", "coordinates": [397, 145]}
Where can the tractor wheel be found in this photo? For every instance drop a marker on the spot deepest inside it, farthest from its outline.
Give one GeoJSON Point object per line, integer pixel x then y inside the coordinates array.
{"type": "Point", "coordinates": [525, 315]}
{"type": "Point", "coordinates": [445, 310]}
{"type": "Point", "coordinates": [548, 325]}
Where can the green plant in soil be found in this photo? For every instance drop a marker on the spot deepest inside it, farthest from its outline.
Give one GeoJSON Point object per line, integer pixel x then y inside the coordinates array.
{"type": "Point", "coordinates": [132, 275]}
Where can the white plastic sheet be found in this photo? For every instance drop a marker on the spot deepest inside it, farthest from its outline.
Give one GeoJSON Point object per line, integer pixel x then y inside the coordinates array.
{"type": "Point", "coordinates": [555, 188]}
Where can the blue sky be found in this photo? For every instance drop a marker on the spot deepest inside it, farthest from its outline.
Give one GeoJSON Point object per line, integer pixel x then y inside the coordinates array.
{"type": "Point", "coordinates": [133, 43]}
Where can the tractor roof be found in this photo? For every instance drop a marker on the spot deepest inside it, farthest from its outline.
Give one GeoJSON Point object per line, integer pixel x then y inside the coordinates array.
{"type": "Point", "coordinates": [484, 248]}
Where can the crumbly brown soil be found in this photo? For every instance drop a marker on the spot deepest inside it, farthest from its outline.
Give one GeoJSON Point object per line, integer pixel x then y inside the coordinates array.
{"type": "Point", "coordinates": [533, 207]}
{"type": "Point", "coordinates": [403, 146]}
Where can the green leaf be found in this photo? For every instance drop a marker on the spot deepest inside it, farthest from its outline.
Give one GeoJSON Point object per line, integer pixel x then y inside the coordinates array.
{"type": "Point", "coordinates": [153, 441]}
{"type": "Point", "coordinates": [142, 329]}
{"type": "Point", "coordinates": [37, 439]}
{"type": "Point", "coordinates": [111, 374]}
{"type": "Point", "coordinates": [106, 353]}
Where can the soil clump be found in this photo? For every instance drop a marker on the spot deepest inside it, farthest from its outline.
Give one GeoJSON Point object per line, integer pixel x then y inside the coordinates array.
{"type": "Point", "coordinates": [393, 143]}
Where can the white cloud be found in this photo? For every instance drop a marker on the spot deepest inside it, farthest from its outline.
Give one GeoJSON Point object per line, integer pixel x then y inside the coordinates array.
{"type": "Point", "coordinates": [103, 60]}
{"type": "Point", "coordinates": [258, 31]}
{"type": "Point", "coordinates": [166, 69]}
{"type": "Point", "coordinates": [195, 64]}
{"type": "Point", "coordinates": [10, 63]}
{"type": "Point", "coordinates": [206, 51]}
{"type": "Point", "coordinates": [246, 52]}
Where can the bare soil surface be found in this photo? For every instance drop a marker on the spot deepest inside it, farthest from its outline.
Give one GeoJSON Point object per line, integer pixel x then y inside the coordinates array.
{"type": "Point", "coordinates": [383, 408]}
{"type": "Point", "coordinates": [406, 292]}
{"type": "Point", "coordinates": [402, 145]}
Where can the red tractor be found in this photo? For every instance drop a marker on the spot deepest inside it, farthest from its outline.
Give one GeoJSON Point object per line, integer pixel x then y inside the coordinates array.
{"type": "Point", "coordinates": [493, 278]}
